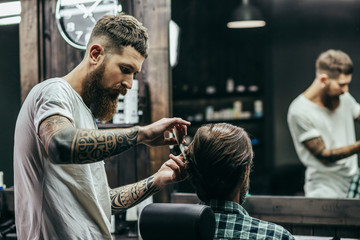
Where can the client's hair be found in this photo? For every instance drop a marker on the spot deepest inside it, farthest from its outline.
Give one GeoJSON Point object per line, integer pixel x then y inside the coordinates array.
{"type": "Point", "coordinates": [217, 159]}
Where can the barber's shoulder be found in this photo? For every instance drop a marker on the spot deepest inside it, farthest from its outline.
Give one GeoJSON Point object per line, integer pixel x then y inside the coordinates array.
{"type": "Point", "coordinates": [53, 88]}
{"type": "Point", "coordinates": [54, 83]}
{"type": "Point", "coordinates": [296, 105]}
{"type": "Point", "coordinates": [347, 96]}
{"type": "Point", "coordinates": [348, 100]}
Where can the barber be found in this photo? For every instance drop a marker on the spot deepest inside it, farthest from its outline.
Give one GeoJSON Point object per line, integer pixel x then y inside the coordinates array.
{"type": "Point", "coordinates": [321, 122]}
{"type": "Point", "coordinates": [61, 188]}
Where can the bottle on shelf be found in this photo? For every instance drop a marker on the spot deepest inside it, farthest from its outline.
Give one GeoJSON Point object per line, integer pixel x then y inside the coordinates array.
{"type": "Point", "coordinates": [258, 108]}
{"type": "Point", "coordinates": [253, 88]}
{"type": "Point", "coordinates": [209, 113]}
{"type": "Point", "coordinates": [237, 109]}
{"type": "Point", "coordinates": [230, 85]}
{"type": "Point", "coordinates": [2, 186]}
{"type": "Point", "coordinates": [210, 90]}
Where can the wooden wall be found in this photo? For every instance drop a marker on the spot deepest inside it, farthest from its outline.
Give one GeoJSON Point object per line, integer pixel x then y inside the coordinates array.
{"type": "Point", "coordinates": [30, 46]}
{"type": "Point", "coordinates": [156, 16]}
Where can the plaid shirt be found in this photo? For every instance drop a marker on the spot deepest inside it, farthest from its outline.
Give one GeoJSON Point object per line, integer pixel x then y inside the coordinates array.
{"type": "Point", "coordinates": [354, 189]}
{"type": "Point", "coordinates": [233, 222]}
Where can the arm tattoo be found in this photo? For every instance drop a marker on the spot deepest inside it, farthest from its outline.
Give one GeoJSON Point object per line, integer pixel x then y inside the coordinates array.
{"type": "Point", "coordinates": [93, 145]}
{"type": "Point", "coordinates": [317, 147]}
{"type": "Point", "coordinates": [127, 196]}
{"type": "Point", "coordinates": [51, 126]}
{"type": "Point", "coordinates": [66, 144]}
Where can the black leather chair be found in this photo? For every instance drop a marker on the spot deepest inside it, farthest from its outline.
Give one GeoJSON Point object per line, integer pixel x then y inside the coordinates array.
{"type": "Point", "coordinates": [164, 221]}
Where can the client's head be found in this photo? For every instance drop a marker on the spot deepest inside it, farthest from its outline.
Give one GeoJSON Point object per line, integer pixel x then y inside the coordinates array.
{"type": "Point", "coordinates": [219, 162]}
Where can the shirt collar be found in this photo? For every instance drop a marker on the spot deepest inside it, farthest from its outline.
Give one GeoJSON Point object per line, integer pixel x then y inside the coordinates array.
{"type": "Point", "coordinates": [225, 207]}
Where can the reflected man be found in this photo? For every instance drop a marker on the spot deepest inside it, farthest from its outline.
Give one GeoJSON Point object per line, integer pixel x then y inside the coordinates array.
{"type": "Point", "coordinates": [321, 123]}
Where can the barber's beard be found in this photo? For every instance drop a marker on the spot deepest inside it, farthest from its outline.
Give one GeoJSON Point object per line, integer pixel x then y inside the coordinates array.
{"type": "Point", "coordinates": [331, 102]}
{"type": "Point", "coordinates": [102, 102]}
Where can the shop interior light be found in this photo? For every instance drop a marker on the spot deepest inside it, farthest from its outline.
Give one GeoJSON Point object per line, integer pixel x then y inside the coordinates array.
{"type": "Point", "coordinates": [10, 13]}
{"type": "Point", "coordinates": [174, 31]}
{"type": "Point", "coordinates": [10, 20]}
{"type": "Point", "coordinates": [246, 16]}
{"type": "Point", "coordinates": [8, 9]}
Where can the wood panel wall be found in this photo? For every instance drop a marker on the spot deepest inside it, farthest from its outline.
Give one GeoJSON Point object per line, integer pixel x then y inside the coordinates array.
{"type": "Point", "coordinates": [30, 30]}
{"type": "Point", "coordinates": [59, 57]}
{"type": "Point", "coordinates": [155, 16]}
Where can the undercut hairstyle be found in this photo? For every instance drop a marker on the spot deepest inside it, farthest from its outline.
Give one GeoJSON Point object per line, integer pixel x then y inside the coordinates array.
{"type": "Point", "coordinates": [119, 31]}
{"type": "Point", "coordinates": [333, 63]}
{"type": "Point", "coordinates": [217, 160]}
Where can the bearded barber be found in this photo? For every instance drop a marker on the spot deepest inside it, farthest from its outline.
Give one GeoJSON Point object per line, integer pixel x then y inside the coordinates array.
{"type": "Point", "coordinates": [61, 189]}
{"type": "Point", "coordinates": [321, 122]}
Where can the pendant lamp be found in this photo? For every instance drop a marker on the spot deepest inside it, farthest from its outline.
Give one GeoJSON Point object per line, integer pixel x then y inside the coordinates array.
{"type": "Point", "coordinates": [246, 16]}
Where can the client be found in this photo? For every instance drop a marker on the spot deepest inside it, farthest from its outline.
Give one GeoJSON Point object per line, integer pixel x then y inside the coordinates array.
{"type": "Point", "coordinates": [219, 161]}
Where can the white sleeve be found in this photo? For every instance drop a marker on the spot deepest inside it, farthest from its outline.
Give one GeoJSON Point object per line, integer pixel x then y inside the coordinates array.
{"type": "Point", "coordinates": [355, 106]}
{"type": "Point", "coordinates": [301, 127]}
{"type": "Point", "coordinates": [53, 99]}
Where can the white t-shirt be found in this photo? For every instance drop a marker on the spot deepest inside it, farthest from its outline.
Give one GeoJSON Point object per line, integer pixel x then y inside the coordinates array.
{"type": "Point", "coordinates": [54, 201]}
{"type": "Point", "coordinates": [306, 121]}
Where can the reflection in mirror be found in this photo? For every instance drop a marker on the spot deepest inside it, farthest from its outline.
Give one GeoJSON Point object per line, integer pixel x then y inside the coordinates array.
{"type": "Point", "coordinates": [248, 77]}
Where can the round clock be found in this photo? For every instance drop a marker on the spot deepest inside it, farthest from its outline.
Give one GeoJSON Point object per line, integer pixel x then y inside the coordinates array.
{"type": "Point", "coordinates": [76, 18]}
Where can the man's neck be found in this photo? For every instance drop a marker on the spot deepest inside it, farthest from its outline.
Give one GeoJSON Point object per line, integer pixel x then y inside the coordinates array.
{"type": "Point", "coordinates": [76, 77]}
{"type": "Point", "coordinates": [317, 95]}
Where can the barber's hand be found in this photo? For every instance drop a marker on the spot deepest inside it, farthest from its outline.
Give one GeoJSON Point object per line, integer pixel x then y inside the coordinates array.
{"type": "Point", "coordinates": [154, 134]}
{"type": "Point", "coordinates": [172, 171]}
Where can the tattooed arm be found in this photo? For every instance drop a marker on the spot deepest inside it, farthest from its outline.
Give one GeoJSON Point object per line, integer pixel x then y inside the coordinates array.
{"type": "Point", "coordinates": [327, 156]}
{"type": "Point", "coordinates": [127, 196]}
{"type": "Point", "coordinates": [66, 144]}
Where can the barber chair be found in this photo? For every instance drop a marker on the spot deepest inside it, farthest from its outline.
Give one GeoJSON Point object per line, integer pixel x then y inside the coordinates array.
{"type": "Point", "coordinates": [164, 221]}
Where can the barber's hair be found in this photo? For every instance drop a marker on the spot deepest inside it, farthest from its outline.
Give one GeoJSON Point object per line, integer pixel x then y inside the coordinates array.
{"type": "Point", "coordinates": [217, 159]}
{"type": "Point", "coordinates": [119, 31]}
{"type": "Point", "coordinates": [333, 63]}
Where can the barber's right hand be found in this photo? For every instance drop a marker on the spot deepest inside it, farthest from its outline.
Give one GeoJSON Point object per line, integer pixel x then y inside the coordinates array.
{"type": "Point", "coordinates": [172, 171]}
{"type": "Point", "coordinates": [154, 134]}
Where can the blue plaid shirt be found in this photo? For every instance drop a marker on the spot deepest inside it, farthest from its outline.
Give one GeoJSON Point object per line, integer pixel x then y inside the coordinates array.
{"type": "Point", "coordinates": [233, 222]}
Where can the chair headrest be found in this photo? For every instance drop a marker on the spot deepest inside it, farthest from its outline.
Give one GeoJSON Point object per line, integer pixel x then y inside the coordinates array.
{"type": "Point", "coordinates": [177, 221]}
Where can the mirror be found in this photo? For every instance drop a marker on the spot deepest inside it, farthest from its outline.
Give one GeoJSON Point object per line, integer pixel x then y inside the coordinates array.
{"type": "Point", "coordinates": [259, 71]}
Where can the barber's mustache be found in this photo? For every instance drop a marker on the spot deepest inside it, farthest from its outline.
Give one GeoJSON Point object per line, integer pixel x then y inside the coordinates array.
{"type": "Point", "coordinates": [120, 89]}
{"type": "Point", "coordinates": [116, 91]}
